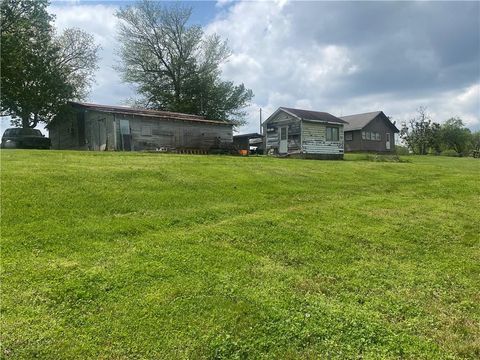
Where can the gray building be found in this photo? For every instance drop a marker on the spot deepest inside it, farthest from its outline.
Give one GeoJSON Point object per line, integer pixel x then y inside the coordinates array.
{"type": "Point", "coordinates": [371, 131]}
{"type": "Point", "coordinates": [101, 127]}
{"type": "Point", "coordinates": [304, 133]}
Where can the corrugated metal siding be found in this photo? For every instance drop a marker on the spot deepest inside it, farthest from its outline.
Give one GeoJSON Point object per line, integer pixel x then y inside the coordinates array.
{"type": "Point", "coordinates": [99, 133]}
{"type": "Point", "coordinates": [148, 134]}
{"type": "Point", "coordinates": [66, 133]}
{"type": "Point", "coordinates": [314, 139]}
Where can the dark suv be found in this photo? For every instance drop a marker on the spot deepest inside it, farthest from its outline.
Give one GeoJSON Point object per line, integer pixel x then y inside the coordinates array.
{"type": "Point", "coordinates": [20, 138]}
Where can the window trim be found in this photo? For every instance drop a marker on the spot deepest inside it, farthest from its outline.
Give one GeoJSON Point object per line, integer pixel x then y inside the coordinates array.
{"type": "Point", "coordinates": [332, 138]}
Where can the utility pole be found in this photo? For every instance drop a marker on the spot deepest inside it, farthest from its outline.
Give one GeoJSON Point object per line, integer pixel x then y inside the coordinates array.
{"type": "Point", "coordinates": [260, 121]}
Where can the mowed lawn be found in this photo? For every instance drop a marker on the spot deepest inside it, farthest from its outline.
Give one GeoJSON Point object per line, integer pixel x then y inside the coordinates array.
{"type": "Point", "coordinates": [155, 256]}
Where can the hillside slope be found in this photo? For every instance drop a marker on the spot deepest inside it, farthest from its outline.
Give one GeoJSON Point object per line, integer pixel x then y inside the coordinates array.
{"type": "Point", "coordinates": [124, 256]}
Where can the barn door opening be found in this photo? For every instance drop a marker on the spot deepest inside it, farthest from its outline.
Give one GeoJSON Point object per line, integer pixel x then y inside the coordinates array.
{"type": "Point", "coordinates": [125, 136]}
{"type": "Point", "coordinates": [387, 142]}
{"type": "Point", "coordinates": [283, 140]}
{"type": "Point", "coordinates": [99, 135]}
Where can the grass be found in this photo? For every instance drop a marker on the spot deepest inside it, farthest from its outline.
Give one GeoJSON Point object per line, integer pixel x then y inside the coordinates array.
{"type": "Point", "coordinates": [155, 256]}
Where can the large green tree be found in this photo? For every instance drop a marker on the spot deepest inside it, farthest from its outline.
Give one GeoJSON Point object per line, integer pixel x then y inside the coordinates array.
{"type": "Point", "coordinates": [28, 79]}
{"type": "Point", "coordinates": [420, 134]}
{"type": "Point", "coordinates": [175, 65]}
{"type": "Point", "coordinates": [456, 136]}
{"type": "Point", "coordinates": [40, 72]}
{"type": "Point", "coordinates": [78, 59]}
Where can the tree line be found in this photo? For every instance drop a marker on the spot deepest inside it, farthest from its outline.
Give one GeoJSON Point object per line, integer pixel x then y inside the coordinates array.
{"type": "Point", "coordinates": [173, 64]}
{"type": "Point", "coordinates": [423, 136]}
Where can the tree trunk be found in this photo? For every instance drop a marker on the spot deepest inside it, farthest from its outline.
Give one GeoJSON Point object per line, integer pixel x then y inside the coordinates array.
{"type": "Point", "coordinates": [26, 122]}
{"type": "Point", "coordinates": [35, 121]}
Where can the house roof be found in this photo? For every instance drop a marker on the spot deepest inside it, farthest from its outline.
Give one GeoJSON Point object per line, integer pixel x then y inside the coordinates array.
{"type": "Point", "coordinates": [310, 115]}
{"type": "Point", "coordinates": [359, 121]}
{"type": "Point", "coordinates": [154, 114]}
{"type": "Point", "coordinates": [249, 135]}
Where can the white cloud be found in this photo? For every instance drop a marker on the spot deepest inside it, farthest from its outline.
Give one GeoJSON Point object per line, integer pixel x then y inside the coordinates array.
{"type": "Point", "coordinates": [335, 57]}
{"type": "Point", "coordinates": [282, 52]}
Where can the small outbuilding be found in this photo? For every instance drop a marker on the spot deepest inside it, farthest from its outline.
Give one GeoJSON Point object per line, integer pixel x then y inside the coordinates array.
{"type": "Point", "coordinates": [102, 127]}
{"type": "Point", "coordinates": [251, 142]}
{"type": "Point", "coordinates": [371, 131]}
{"type": "Point", "coordinates": [304, 133]}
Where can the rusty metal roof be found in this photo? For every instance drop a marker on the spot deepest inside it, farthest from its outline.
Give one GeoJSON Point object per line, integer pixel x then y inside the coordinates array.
{"type": "Point", "coordinates": [154, 114]}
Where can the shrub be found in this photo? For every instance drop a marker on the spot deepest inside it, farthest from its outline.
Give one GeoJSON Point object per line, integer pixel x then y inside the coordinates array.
{"type": "Point", "coordinates": [450, 152]}
{"type": "Point", "coordinates": [402, 150]}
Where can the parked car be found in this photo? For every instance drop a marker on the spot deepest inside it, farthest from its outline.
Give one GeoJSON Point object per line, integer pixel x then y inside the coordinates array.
{"type": "Point", "coordinates": [20, 138]}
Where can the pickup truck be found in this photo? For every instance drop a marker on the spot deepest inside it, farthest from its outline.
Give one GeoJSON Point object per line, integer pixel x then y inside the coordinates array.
{"type": "Point", "coordinates": [21, 138]}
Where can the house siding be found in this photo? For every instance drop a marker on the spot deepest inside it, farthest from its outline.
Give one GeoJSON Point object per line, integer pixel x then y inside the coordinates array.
{"type": "Point", "coordinates": [356, 143]}
{"type": "Point", "coordinates": [314, 139]}
{"type": "Point", "coordinates": [272, 133]}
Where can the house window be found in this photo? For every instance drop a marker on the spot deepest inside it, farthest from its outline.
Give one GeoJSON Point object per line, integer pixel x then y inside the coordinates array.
{"type": "Point", "coordinates": [332, 133]}
{"type": "Point", "coordinates": [364, 135]}
{"type": "Point", "coordinates": [377, 136]}
{"type": "Point", "coordinates": [369, 135]}
{"type": "Point", "coordinates": [348, 136]}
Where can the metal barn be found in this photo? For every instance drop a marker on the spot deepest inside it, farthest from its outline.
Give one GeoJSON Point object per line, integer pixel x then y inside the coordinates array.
{"type": "Point", "coordinates": [102, 127]}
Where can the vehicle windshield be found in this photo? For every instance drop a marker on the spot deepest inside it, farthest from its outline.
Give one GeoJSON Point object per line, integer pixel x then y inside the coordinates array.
{"type": "Point", "coordinates": [22, 132]}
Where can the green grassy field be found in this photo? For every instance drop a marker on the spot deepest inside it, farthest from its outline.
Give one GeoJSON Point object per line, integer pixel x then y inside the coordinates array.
{"type": "Point", "coordinates": [151, 256]}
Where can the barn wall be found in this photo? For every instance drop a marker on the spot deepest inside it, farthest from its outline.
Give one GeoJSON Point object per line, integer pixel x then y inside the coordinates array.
{"type": "Point", "coordinates": [101, 131]}
{"type": "Point", "coordinates": [68, 132]}
{"type": "Point", "coordinates": [150, 134]}
{"type": "Point", "coordinates": [314, 139]}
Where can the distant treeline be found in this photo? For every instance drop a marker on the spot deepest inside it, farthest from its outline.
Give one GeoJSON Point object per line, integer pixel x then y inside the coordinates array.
{"type": "Point", "coordinates": [423, 136]}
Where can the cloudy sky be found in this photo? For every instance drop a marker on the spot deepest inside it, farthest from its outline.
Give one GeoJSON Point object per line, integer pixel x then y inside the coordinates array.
{"type": "Point", "coordinates": [339, 57]}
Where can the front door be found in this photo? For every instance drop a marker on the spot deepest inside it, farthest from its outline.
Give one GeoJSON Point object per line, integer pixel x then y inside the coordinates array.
{"type": "Point", "coordinates": [387, 143]}
{"type": "Point", "coordinates": [283, 140]}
